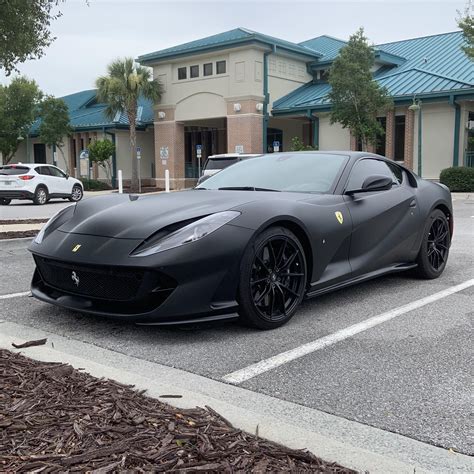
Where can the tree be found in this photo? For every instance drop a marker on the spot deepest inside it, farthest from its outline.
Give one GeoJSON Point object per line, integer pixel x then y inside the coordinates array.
{"type": "Point", "coordinates": [120, 90]}
{"type": "Point", "coordinates": [24, 30]}
{"type": "Point", "coordinates": [100, 152]}
{"type": "Point", "coordinates": [18, 110]}
{"type": "Point", "coordinates": [54, 124]}
{"type": "Point", "coordinates": [356, 98]}
{"type": "Point", "coordinates": [466, 23]}
{"type": "Point", "coordinates": [298, 145]}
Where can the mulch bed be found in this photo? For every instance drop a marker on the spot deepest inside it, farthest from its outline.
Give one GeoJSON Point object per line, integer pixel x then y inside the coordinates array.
{"type": "Point", "coordinates": [22, 221]}
{"type": "Point", "coordinates": [18, 234]}
{"type": "Point", "coordinates": [55, 418]}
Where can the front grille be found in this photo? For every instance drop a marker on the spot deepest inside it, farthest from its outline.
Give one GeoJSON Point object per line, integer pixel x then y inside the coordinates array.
{"type": "Point", "coordinates": [110, 283]}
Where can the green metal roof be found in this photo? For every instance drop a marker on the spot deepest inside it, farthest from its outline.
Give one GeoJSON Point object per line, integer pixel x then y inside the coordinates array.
{"type": "Point", "coordinates": [227, 39]}
{"type": "Point", "coordinates": [432, 66]}
{"type": "Point", "coordinates": [328, 46]}
{"type": "Point", "coordinates": [86, 114]}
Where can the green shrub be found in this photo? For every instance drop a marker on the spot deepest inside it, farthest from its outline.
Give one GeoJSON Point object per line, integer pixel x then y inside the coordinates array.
{"type": "Point", "coordinates": [460, 179]}
{"type": "Point", "coordinates": [94, 185]}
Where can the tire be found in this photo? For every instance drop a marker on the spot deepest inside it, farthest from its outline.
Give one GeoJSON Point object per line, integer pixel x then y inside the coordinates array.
{"type": "Point", "coordinates": [5, 201]}
{"type": "Point", "coordinates": [272, 279]}
{"type": "Point", "coordinates": [41, 196]}
{"type": "Point", "coordinates": [76, 194]}
{"type": "Point", "coordinates": [434, 251]}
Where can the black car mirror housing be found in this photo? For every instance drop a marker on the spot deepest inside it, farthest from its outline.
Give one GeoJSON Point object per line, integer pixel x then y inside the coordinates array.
{"type": "Point", "coordinates": [373, 183]}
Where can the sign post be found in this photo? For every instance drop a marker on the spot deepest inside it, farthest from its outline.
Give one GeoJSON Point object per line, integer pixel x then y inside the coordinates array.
{"type": "Point", "coordinates": [139, 157]}
{"type": "Point", "coordinates": [84, 164]}
{"type": "Point", "coordinates": [164, 153]}
{"type": "Point", "coordinates": [199, 154]}
{"type": "Point", "coordinates": [276, 146]}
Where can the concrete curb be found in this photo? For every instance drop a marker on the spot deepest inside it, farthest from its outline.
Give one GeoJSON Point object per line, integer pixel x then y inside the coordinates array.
{"type": "Point", "coordinates": [335, 439]}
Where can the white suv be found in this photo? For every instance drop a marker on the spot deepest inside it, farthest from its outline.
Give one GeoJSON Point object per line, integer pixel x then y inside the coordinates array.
{"type": "Point", "coordinates": [38, 182]}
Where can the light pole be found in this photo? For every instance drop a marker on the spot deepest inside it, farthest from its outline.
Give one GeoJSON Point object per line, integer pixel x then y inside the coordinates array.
{"type": "Point", "coordinates": [416, 106]}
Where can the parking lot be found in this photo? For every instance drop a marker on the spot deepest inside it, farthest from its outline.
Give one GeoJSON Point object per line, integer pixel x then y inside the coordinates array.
{"type": "Point", "coordinates": [411, 373]}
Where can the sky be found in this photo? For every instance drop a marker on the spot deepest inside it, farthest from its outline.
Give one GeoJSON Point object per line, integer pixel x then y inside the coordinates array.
{"type": "Point", "coordinates": [92, 33]}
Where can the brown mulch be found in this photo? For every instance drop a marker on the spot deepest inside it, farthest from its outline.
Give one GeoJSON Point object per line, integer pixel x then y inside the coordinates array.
{"type": "Point", "coordinates": [18, 234]}
{"type": "Point", "coordinates": [55, 418]}
{"type": "Point", "coordinates": [22, 221]}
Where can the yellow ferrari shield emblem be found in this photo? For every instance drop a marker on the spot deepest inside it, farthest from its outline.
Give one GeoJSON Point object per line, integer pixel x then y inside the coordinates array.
{"type": "Point", "coordinates": [339, 217]}
{"type": "Point", "coordinates": [76, 248]}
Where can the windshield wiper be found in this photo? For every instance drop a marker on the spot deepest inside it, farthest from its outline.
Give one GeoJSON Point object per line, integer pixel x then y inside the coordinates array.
{"type": "Point", "coordinates": [246, 188]}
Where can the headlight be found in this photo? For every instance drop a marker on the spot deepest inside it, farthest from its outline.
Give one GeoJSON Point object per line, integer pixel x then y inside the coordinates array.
{"type": "Point", "coordinates": [59, 218]}
{"type": "Point", "coordinates": [190, 233]}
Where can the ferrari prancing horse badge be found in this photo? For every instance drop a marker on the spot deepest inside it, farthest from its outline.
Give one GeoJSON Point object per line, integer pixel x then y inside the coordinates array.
{"type": "Point", "coordinates": [339, 217]}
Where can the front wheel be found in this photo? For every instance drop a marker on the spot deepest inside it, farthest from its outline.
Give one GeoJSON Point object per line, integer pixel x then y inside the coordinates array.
{"type": "Point", "coordinates": [5, 201]}
{"type": "Point", "coordinates": [434, 250]}
{"type": "Point", "coordinates": [76, 194]}
{"type": "Point", "coordinates": [272, 280]}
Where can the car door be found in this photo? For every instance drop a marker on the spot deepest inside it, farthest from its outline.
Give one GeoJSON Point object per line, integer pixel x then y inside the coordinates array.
{"type": "Point", "coordinates": [60, 182]}
{"type": "Point", "coordinates": [385, 223]}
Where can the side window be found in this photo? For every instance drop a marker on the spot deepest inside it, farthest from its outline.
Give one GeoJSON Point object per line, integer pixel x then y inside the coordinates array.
{"type": "Point", "coordinates": [55, 172]}
{"type": "Point", "coordinates": [181, 73]}
{"type": "Point", "coordinates": [365, 168]}
{"type": "Point", "coordinates": [43, 170]}
{"type": "Point", "coordinates": [397, 172]}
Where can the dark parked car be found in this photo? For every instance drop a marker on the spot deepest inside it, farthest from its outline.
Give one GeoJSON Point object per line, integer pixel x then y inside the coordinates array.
{"type": "Point", "coordinates": [253, 240]}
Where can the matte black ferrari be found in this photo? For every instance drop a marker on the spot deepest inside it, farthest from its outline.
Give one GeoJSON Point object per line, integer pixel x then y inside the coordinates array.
{"type": "Point", "coordinates": [251, 241]}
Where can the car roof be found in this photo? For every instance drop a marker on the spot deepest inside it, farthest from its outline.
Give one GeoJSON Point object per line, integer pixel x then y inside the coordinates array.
{"type": "Point", "coordinates": [234, 155]}
{"type": "Point", "coordinates": [30, 165]}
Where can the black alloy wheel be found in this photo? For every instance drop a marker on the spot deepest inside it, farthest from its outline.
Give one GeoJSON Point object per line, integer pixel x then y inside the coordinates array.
{"type": "Point", "coordinates": [275, 279]}
{"type": "Point", "coordinates": [434, 250]}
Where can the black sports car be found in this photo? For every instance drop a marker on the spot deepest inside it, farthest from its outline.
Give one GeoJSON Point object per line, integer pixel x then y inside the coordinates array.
{"type": "Point", "coordinates": [253, 240]}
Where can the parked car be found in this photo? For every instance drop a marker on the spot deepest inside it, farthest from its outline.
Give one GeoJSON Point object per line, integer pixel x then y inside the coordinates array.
{"type": "Point", "coordinates": [37, 182]}
{"type": "Point", "coordinates": [216, 163]}
{"type": "Point", "coordinates": [254, 239]}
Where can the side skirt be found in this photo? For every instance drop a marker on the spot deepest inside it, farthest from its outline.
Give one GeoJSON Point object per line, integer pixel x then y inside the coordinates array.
{"type": "Point", "coordinates": [367, 276]}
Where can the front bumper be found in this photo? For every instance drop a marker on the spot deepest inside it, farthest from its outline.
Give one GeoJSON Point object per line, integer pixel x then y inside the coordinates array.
{"type": "Point", "coordinates": [16, 194]}
{"type": "Point", "coordinates": [194, 282]}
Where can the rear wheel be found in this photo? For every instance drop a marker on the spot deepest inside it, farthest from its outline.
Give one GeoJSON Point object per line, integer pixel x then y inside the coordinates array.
{"type": "Point", "coordinates": [273, 279]}
{"type": "Point", "coordinates": [5, 201]}
{"type": "Point", "coordinates": [76, 194]}
{"type": "Point", "coordinates": [41, 196]}
{"type": "Point", "coordinates": [434, 249]}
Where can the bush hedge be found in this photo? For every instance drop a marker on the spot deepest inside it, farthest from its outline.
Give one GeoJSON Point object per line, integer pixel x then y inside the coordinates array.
{"type": "Point", "coordinates": [94, 185]}
{"type": "Point", "coordinates": [460, 179]}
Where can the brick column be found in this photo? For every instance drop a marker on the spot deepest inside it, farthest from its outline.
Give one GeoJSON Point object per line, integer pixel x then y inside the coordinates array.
{"type": "Point", "coordinates": [371, 148]}
{"type": "Point", "coordinates": [390, 135]}
{"type": "Point", "coordinates": [169, 133]}
{"type": "Point", "coordinates": [409, 137]}
{"type": "Point", "coordinates": [244, 127]}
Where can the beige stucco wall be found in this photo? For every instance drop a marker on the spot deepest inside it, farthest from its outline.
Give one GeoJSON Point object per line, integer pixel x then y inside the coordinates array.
{"type": "Point", "coordinates": [437, 139]}
{"type": "Point", "coordinates": [207, 96]}
{"type": "Point", "coordinates": [333, 137]}
{"type": "Point", "coordinates": [145, 140]}
{"type": "Point", "coordinates": [285, 75]}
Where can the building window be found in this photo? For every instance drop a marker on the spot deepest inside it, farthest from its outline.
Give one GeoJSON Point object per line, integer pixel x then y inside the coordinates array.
{"type": "Point", "coordinates": [208, 69]}
{"type": "Point", "coordinates": [182, 73]}
{"type": "Point", "coordinates": [220, 67]}
{"type": "Point", "coordinates": [399, 138]}
{"type": "Point", "coordinates": [194, 71]}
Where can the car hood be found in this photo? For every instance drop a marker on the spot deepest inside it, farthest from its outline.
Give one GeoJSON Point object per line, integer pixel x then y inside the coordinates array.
{"type": "Point", "coordinates": [137, 217]}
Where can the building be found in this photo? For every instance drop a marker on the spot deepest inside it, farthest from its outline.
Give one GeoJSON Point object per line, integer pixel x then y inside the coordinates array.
{"type": "Point", "coordinates": [245, 91]}
{"type": "Point", "coordinates": [248, 92]}
{"type": "Point", "coordinates": [89, 122]}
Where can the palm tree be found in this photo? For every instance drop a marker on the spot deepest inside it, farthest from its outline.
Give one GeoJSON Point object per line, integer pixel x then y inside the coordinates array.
{"type": "Point", "coordinates": [120, 89]}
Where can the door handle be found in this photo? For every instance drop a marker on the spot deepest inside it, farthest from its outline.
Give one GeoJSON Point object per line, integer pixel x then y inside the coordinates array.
{"type": "Point", "coordinates": [413, 203]}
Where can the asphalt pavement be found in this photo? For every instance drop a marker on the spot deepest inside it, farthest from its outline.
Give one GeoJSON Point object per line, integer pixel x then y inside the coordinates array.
{"type": "Point", "coordinates": [409, 375]}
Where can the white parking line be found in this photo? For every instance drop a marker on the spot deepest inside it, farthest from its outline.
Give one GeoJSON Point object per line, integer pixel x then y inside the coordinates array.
{"type": "Point", "coordinates": [14, 295]}
{"type": "Point", "coordinates": [265, 365]}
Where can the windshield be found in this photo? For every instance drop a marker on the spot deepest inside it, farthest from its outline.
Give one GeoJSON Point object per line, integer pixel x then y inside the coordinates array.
{"type": "Point", "coordinates": [13, 170]}
{"type": "Point", "coordinates": [220, 163]}
{"type": "Point", "coordinates": [294, 172]}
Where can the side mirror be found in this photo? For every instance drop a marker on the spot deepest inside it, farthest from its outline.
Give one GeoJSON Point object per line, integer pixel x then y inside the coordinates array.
{"type": "Point", "coordinates": [67, 175]}
{"type": "Point", "coordinates": [373, 183]}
